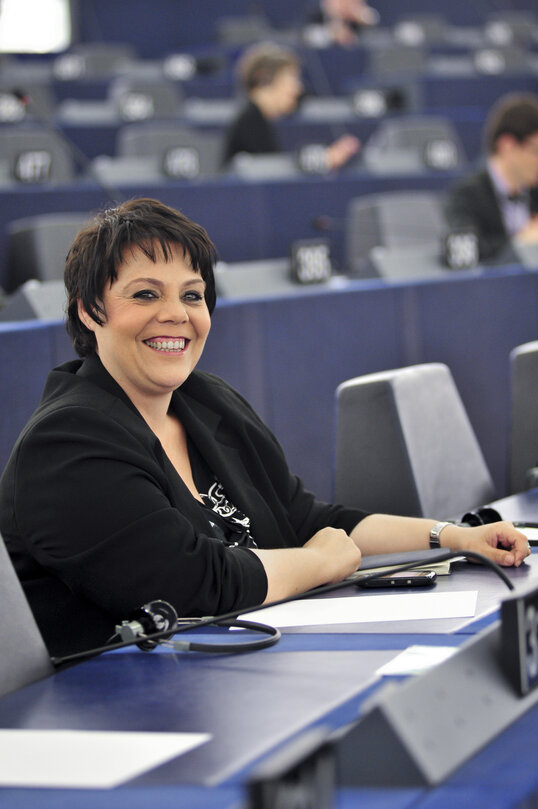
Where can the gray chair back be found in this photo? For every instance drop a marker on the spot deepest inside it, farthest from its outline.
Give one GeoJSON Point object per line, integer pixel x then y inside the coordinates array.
{"type": "Point", "coordinates": [390, 219]}
{"type": "Point", "coordinates": [181, 152]}
{"type": "Point", "coordinates": [405, 445]}
{"type": "Point", "coordinates": [523, 442]}
{"type": "Point", "coordinates": [414, 143]}
{"type": "Point", "coordinates": [25, 658]}
{"type": "Point", "coordinates": [38, 246]}
{"type": "Point", "coordinates": [139, 100]}
{"type": "Point", "coordinates": [33, 155]}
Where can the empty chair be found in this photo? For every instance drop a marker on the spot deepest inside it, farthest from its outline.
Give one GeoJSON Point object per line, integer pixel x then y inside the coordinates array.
{"type": "Point", "coordinates": [510, 27]}
{"type": "Point", "coordinates": [24, 656]}
{"type": "Point", "coordinates": [414, 143]}
{"type": "Point", "coordinates": [38, 245]}
{"type": "Point", "coordinates": [523, 441]}
{"type": "Point", "coordinates": [182, 153]}
{"type": "Point", "coordinates": [93, 60]}
{"type": "Point", "coordinates": [404, 445]}
{"type": "Point", "coordinates": [418, 29]}
{"type": "Point", "coordinates": [139, 100]}
{"type": "Point", "coordinates": [501, 59]}
{"type": "Point", "coordinates": [34, 155]}
{"type": "Point", "coordinates": [35, 300]}
{"type": "Point", "coordinates": [390, 220]}
{"type": "Point", "coordinates": [396, 59]}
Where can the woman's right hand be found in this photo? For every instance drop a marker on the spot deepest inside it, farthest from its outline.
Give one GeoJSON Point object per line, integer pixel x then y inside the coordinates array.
{"type": "Point", "coordinates": [339, 556]}
{"type": "Point", "coordinates": [328, 557]}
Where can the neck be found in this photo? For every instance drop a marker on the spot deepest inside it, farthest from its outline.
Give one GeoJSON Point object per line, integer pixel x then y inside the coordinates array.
{"type": "Point", "coordinates": [153, 409]}
{"type": "Point", "coordinates": [264, 101]}
{"type": "Point", "coordinates": [503, 170]}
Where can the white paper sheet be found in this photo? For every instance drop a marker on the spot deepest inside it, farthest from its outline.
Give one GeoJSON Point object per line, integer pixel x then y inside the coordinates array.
{"type": "Point", "coordinates": [85, 759]}
{"type": "Point", "coordinates": [366, 609]}
{"type": "Point", "coordinates": [416, 659]}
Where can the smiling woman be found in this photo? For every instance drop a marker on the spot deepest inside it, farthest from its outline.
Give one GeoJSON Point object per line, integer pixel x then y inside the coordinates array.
{"type": "Point", "coordinates": [157, 322]}
{"type": "Point", "coordinates": [141, 478]}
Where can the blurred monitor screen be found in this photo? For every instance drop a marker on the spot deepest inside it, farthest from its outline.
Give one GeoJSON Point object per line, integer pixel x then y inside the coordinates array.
{"type": "Point", "coordinates": [34, 26]}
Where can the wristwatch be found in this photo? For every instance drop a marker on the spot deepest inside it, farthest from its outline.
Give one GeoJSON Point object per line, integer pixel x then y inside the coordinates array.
{"type": "Point", "coordinates": [435, 534]}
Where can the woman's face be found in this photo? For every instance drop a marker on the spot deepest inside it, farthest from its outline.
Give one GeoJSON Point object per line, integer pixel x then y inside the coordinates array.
{"type": "Point", "coordinates": [286, 89]}
{"type": "Point", "coordinates": [157, 322]}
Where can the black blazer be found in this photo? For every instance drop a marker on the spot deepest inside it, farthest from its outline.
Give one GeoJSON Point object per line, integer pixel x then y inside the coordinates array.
{"type": "Point", "coordinates": [250, 132]}
{"type": "Point", "coordinates": [98, 522]}
{"type": "Point", "coordinates": [473, 202]}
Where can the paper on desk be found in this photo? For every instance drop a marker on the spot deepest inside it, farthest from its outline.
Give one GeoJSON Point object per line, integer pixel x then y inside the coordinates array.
{"type": "Point", "coordinates": [368, 608]}
{"type": "Point", "coordinates": [416, 659]}
{"type": "Point", "coordinates": [530, 532]}
{"type": "Point", "coordinates": [85, 759]}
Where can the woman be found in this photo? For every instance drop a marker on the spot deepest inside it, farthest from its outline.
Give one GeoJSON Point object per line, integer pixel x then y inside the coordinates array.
{"type": "Point", "coordinates": [139, 477]}
{"type": "Point", "coordinates": [271, 79]}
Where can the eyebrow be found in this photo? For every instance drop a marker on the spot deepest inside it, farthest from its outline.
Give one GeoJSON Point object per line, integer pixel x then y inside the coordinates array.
{"type": "Point", "coordinates": [195, 279]}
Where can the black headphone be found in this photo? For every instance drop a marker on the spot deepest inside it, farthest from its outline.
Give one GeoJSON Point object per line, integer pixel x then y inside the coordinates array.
{"type": "Point", "coordinates": [160, 617]}
{"type": "Point", "coordinates": [482, 516]}
{"type": "Point", "coordinates": [155, 623]}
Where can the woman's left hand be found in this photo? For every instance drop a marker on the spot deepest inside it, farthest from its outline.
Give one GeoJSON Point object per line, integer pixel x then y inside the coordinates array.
{"type": "Point", "coordinates": [499, 541]}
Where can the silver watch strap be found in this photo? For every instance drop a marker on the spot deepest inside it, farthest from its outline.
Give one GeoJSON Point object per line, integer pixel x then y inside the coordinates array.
{"type": "Point", "coordinates": [435, 534]}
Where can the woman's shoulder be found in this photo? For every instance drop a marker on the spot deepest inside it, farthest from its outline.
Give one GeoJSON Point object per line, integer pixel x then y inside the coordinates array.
{"type": "Point", "coordinates": [208, 388]}
{"type": "Point", "coordinates": [74, 406]}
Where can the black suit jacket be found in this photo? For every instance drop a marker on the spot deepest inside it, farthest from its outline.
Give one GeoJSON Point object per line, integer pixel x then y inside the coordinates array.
{"type": "Point", "coordinates": [473, 203]}
{"type": "Point", "coordinates": [98, 522]}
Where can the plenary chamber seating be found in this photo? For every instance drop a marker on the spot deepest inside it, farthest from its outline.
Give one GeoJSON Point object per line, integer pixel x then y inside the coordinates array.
{"type": "Point", "coordinates": [405, 445]}
{"type": "Point", "coordinates": [31, 154]}
{"type": "Point", "coordinates": [182, 152]}
{"type": "Point", "coordinates": [414, 143]}
{"type": "Point", "coordinates": [523, 442]}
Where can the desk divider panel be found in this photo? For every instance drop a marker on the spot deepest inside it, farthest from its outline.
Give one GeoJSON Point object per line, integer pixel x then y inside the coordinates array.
{"type": "Point", "coordinates": [421, 731]}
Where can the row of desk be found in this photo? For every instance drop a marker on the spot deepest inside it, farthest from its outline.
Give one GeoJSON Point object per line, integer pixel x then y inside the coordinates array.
{"type": "Point", "coordinates": [247, 220]}
{"type": "Point", "coordinates": [254, 704]}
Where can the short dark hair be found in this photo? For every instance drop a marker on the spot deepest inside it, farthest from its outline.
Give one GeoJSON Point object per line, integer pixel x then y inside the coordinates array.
{"type": "Point", "coordinates": [99, 250]}
{"type": "Point", "coordinates": [515, 114]}
{"type": "Point", "coordinates": [259, 64]}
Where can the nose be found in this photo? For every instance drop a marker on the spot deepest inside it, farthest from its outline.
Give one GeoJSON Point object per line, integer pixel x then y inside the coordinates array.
{"type": "Point", "coordinates": [173, 310]}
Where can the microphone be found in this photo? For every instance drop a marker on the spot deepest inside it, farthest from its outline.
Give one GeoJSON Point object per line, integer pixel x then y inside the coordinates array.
{"type": "Point", "coordinates": [155, 616]}
{"type": "Point", "coordinates": [79, 157]}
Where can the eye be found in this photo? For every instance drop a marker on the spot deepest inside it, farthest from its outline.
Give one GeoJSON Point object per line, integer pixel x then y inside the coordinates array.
{"type": "Point", "coordinates": [145, 295]}
{"type": "Point", "coordinates": [193, 296]}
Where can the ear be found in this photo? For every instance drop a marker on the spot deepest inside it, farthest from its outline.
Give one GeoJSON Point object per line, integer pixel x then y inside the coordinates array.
{"type": "Point", "coordinates": [84, 317]}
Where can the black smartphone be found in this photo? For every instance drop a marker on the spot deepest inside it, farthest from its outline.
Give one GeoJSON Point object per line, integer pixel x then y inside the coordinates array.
{"type": "Point", "coordinates": [405, 578]}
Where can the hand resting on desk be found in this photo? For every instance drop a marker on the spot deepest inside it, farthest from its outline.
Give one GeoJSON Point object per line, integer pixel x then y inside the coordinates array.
{"type": "Point", "coordinates": [499, 541]}
{"type": "Point", "coordinates": [386, 533]}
